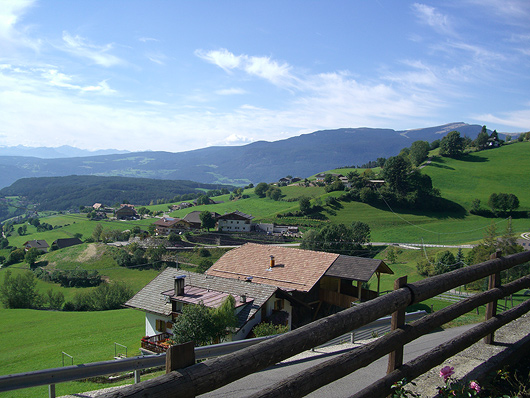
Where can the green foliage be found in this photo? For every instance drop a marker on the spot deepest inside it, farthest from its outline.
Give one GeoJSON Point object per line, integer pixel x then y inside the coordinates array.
{"type": "Point", "coordinates": [419, 150]}
{"type": "Point", "coordinates": [305, 205]}
{"type": "Point", "coordinates": [204, 325]}
{"type": "Point", "coordinates": [391, 255]}
{"type": "Point", "coordinates": [20, 291]}
{"type": "Point", "coordinates": [268, 329]}
{"type": "Point", "coordinates": [71, 192]}
{"type": "Point", "coordinates": [31, 256]}
{"type": "Point", "coordinates": [396, 172]}
{"type": "Point", "coordinates": [452, 145]}
{"type": "Point", "coordinates": [55, 299]}
{"type": "Point", "coordinates": [337, 238]}
{"type": "Point", "coordinates": [445, 262]}
{"type": "Point", "coordinates": [107, 296]}
{"type": "Point", "coordinates": [204, 264]}
{"type": "Point", "coordinates": [70, 278]}
{"type": "Point", "coordinates": [261, 189]}
{"type": "Point", "coordinates": [274, 193]}
{"type": "Point", "coordinates": [207, 220]}
{"type": "Point", "coordinates": [506, 202]}
{"type": "Point", "coordinates": [15, 256]}
{"type": "Point", "coordinates": [203, 252]}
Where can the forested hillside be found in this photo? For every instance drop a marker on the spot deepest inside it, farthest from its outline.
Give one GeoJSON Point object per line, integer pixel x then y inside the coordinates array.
{"type": "Point", "coordinates": [62, 193]}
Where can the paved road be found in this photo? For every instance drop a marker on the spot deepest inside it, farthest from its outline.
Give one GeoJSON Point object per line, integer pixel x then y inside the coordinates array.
{"type": "Point", "coordinates": [344, 387]}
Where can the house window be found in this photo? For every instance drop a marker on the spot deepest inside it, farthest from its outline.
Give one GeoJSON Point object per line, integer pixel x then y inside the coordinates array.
{"type": "Point", "coordinates": [160, 325]}
{"type": "Point", "coordinates": [278, 305]}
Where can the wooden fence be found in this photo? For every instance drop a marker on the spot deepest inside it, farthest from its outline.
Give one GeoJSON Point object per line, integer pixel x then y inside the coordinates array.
{"type": "Point", "coordinates": [215, 373]}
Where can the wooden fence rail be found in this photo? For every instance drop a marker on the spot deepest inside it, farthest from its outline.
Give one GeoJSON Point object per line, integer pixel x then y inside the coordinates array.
{"type": "Point", "coordinates": [213, 374]}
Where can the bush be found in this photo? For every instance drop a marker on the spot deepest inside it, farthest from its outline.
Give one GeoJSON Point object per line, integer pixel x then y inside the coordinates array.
{"type": "Point", "coordinates": [268, 329]}
{"type": "Point", "coordinates": [204, 265]}
{"type": "Point", "coordinates": [203, 252]}
{"type": "Point", "coordinates": [107, 296]}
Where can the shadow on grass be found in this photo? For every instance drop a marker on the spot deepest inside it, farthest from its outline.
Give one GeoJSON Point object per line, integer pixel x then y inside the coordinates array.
{"type": "Point", "coordinates": [451, 210]}
{"type": "Point", "coordinates": [471, 158]}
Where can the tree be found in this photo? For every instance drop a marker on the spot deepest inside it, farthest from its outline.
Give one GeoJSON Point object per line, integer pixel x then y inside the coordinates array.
{"type": "Point", "coordinates": [419, 150]}
{"type": "Point", "coordinates": [96, 233]}
{"type": "Point", "coordinates": [503, 202]}
{"type": "Point", "coordinates": [482, 138]}
{"type": "Point", "coordinates": [391, 255]}
{"type": "Point", "coordinates": [31, 256]}
{"type": "Point", "coordinates": [261, 189]}
{"type": "Point", "coordinates": [305, 205]}
{"type": "Point", "coordinates": [207, 220]}
{"type": "Point", "coordinates": [445, 262]}
{"type": "Point", "coordinates": [20, 291]}
{"type": "Point", "coordinates": [203, 200]}
{"type": "Point", "coordinates": [203, 325]}
{"type": "Point", "coordinates": [360, 232]}
{"type": "Point", "coordinates": [274, 193]}
{"type": "Point", "coordinates": [452, 145]}
{"type": "Point", "coordinates": [337, 238]}
{"type": "Point", "coordinates": [173, 238]}
{"type": "Point", "coordinates": [396, 172]}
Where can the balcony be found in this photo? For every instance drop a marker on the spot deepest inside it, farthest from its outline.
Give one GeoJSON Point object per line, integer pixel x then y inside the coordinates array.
{"type": "Point", "coordinates": [157, 344]}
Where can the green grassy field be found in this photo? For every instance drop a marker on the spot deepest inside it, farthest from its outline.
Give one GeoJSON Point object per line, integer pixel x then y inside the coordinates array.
{"type": "Point", "coordinates": [479, 174]}
{"type": "Point", "coordinates": [90, 336]}
{"type": "Point", "coordinates": [34, 340]}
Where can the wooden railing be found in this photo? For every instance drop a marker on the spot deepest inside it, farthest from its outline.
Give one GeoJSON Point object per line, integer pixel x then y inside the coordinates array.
{"type": "Point", "coordinates": [215, 373]}
{"type": "Point", "coordinates": [152, 343]}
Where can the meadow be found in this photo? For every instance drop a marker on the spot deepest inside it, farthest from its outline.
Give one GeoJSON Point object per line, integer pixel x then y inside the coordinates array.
{"type": "Point", "coordinates": [90, 336]}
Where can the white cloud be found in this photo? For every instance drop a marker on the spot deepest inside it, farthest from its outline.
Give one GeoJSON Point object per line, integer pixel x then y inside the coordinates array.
{"type": "Point", "coordinates": [11, 11]}
{"type": "Point", "coordinates": [58, 79]}
{"type": "Point", "coordinates": [231, 91]}
{"type": "Point", "coordinates": [98, 54]}
{"type": "Point", "coordinates": [433, 18]}
{"type": "Point", "coordinates": [273, 71]}
{"type": "Point", "coordinates": [519, 120]}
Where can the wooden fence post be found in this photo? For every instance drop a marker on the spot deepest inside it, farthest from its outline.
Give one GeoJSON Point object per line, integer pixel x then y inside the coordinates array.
{"type": "Point", "coordinates": [180, 356]}
{"type": "Point", "coordinates": [494, 281]}
{"type": "Point", "coordinates": [395, 358]}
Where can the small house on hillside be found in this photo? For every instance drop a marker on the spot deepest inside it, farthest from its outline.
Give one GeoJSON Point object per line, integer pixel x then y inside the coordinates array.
{"type": "Point", "coordinates": [66, 242]}
{"type": "Point", "coordinates": [126, 212]}
{"type": "Point", "coordinates": [167, 225]}
{"type": "Point", "coordinates": [36, 244]}
{"type": "Point", "coordinates": [164, 297]}
{"type": "Point", "coordinates": [194, 218]}
{"type": "Point", "coordinates": [235, 221]}
{"type": "Point", "coordinates": [311, 277]}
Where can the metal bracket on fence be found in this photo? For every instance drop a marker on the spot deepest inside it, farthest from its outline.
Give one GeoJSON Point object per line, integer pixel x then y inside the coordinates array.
{"type": "Point", "coordinates": [71, 357]}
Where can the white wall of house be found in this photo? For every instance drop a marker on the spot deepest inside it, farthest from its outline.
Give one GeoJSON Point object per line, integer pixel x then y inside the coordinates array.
{"type": "Point", "coordinates": [234, 225]}
{"type": "Point", "coordinates": [150, 323]}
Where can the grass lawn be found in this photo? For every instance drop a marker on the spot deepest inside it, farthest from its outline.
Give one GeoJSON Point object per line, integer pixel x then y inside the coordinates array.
{"type": "Point", "coordinates": [87, 336]}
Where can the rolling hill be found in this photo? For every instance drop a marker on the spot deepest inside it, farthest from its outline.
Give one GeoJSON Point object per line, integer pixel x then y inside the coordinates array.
{"type": "Point", "coordinates": [303, 156]}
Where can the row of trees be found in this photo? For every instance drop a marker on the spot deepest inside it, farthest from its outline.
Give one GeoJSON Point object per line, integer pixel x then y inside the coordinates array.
{"type": "Point", "coordinates": [338, 238]}
{"type": "Point", "coordinates": [268, 190]}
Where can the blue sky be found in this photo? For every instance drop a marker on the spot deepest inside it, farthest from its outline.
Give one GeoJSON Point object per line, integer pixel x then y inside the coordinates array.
{"type": "Point", "coordinates": [180, 75]}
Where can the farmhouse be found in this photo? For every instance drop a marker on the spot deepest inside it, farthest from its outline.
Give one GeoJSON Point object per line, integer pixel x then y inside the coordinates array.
{"type": "Point", "coordinates": [66, 242]}
{"type": "Point", "coordinates": [126, 212]}
{"type": "Point", "coordinates": [167, 225]}
{"type": "Point", "coordinates": [164, 297]}
{"type": "Point", "coordinates": [194, 218]}
{"type": "Point", "coordinates": [36, 244]}
{"type": "Point", "coordinates": [311, 277]}
{"type": "Point", "coordinates": [235, 221]}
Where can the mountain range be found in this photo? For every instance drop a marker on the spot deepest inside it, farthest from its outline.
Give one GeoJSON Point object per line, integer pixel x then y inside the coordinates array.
{"type": "Point", "coordinates": [301, 156]}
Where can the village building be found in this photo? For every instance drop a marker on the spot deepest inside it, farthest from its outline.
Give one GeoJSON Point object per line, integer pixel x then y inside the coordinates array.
{"type": "Point", "coordinates": [126, 212]}
{"type": "Point", "coordinates": [235, 221]}
{"type": "Point", "coordinates": [167, 225]}
{"type": "Point", "coordinates": [164, 297]}
{"type": "Point", "coordinates": [65, 242]}
{"type": "Point", "coordinates": [194, 218]}
{"type": "Point", "coordinates": [36, 244]}
{"type": "Point", "coordinates": [314, 278]}
{"type": "Point", "coordinates": [264, 280]}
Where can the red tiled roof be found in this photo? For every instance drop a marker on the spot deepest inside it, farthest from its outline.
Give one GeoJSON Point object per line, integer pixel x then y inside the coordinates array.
{"type": "Point", "coordinates": [294, 269]}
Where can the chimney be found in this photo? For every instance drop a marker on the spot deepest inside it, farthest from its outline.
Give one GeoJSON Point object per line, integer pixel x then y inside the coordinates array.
{"type": "Point", "coordinates": [248, 279]}
{"type": "Point", "coordinates": [243, 298]}
{"type": "Point", "coordinates": [272, 261]}
{"type": "Point", "coordinates": [179, 285]}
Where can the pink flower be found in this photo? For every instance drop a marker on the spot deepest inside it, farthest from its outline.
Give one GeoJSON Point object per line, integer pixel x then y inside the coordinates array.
{"type": "Point", "coordinates": [474, 386]}
{"type": "Point", "coordinates": [446, 372]}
